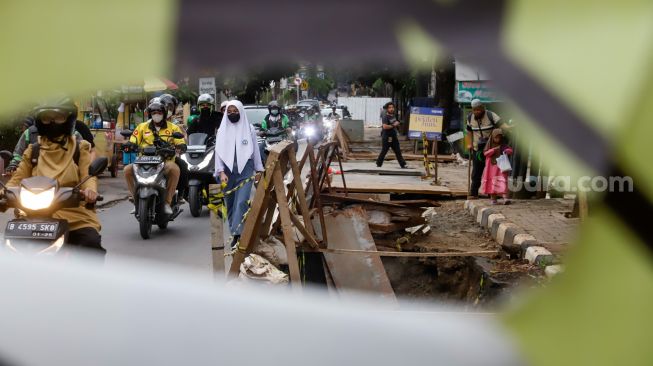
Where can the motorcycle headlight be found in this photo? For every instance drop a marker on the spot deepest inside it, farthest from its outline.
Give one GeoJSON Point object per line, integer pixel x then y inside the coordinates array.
{"type": "Point", "coordinates": [36, 201]}
{"type": "Point", "coordinates": [148, 176]}
{"type": "Point", "coordinates": [205, 162]}
{"type": "Point", "coordinates": [328, 123]}
{"type": "Point", "coordinates": [310, 131]}
{"type": "Point", "coordinates": [294, 133]}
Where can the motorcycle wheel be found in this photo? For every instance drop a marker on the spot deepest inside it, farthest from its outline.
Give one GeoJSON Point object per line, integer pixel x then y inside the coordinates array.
{"type": "Point", "coordinates": [195, 201]}
{"type": "Point", "coordinates": [145, 224]}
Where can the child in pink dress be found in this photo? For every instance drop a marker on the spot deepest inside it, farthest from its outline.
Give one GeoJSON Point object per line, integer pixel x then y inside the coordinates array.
{"type": "Point", "coordinates": [495, 182]}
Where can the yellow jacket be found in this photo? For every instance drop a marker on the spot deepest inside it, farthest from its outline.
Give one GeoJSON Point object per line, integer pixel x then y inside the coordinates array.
{"type": "Point", "coordinates": [143, 135]}
{"type": "Point", "coordinates": [58, 163]}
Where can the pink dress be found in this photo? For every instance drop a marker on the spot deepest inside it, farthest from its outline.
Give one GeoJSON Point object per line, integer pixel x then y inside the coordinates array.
{"type": "Point", "coordinates": [494, 181]}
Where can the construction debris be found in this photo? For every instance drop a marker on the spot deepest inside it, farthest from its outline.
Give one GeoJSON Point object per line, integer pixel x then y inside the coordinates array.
{"type": "Point", "coordinates": [259, 269]}
{"type": "Point", "coordinates": [273, 250]}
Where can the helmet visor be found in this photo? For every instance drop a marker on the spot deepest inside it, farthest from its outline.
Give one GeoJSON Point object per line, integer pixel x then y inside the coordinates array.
{"type": "Point", "coordinates": [57, 116]}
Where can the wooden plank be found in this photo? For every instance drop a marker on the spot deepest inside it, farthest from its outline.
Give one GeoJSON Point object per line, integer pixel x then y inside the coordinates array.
{"type": "Point", "coordinates": [485, 253]}
{"type": "Point", "coordinates": [411, 157]}
{"type": "Point", "coordinates": [310, 238]}
{"type": "Point", "coordinates": [286, 227]}
{"type": "Point", "coordinates": [301, 197]}
{"type": "Point", "coordinates": [395, 184]}
{"type": "Point", "coordinates": [316, 200]}
{"type": "Point", "coordinates": [359, 272]}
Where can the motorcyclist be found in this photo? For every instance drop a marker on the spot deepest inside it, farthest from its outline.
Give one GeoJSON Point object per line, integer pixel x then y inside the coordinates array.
{"type": "Point", "coordinates": [63, 157]}
{"type": "Point", "coordinates": [145, 134]}
{"type": "Point", "coordinates": [30, 135]}
{"type": "Point", "coordinates": [334, 114]}
{"type": "Point", "coordinates": [194, 115]}
{"type": "Point", "coordinates": [171, 103]}
{"type": "Point", "coordinates": [209, 120]}
{"type": "Point", "coordinates": [275, 118]}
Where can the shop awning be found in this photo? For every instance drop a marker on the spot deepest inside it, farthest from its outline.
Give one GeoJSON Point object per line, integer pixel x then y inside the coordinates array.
{"type": "Point", "coordinates": [158, 84]}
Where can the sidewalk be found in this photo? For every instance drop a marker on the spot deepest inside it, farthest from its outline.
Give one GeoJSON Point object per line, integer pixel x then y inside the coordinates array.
{"type": "Point", "coordinates": [536, 230]}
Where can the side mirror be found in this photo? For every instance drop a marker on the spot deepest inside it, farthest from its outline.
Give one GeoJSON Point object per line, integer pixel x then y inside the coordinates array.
{"type": "Point", "coordinates": [126, 133]}
{"type": "Point", "coordinates": [6, 155]}
{"type": "Point", "coordinates": [98, 166]}
{"type": "Point", "coordinates": [178, 135]}
{"type": "Point", "coordinates": [257, 125]}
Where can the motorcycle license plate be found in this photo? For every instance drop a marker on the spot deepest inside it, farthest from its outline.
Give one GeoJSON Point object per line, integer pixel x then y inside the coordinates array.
{"type": "Point", "coordinates": [148, 159]}
{"type": "Point", "coordinates": [29, 229]}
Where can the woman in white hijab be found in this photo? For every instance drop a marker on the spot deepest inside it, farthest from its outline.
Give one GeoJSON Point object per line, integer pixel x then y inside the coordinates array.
{"type": "Point", "coordinates": [237, 158]}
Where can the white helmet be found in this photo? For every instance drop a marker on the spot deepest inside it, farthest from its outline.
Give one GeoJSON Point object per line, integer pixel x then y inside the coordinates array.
{"type": "Point", "coordinates": [205, 98]}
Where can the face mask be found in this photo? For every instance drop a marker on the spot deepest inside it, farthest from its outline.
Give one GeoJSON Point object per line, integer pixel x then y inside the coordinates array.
{"type": "Point", "coordinates": [274, 112]}
{"type": "Point", "coordinates": [234, 117]}
{"type": "Point", "coordinates": [157, 118]}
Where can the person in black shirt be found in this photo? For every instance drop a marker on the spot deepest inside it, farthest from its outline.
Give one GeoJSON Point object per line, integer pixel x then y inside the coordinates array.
{"type": "Point", "coordinates": [209, 120]}
{"type": "Point", "coordinates": [389, 136]}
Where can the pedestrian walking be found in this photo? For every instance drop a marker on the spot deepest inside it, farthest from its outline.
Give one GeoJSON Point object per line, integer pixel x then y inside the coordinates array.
{"type": "Point", "coordinates": [389, 136]}
{"type": "Point", "coordinates": [480, 124]}
{"type": "Point", "coordinates": [495, 182]}
{"type": "Point", "coordinates": [237, 159]}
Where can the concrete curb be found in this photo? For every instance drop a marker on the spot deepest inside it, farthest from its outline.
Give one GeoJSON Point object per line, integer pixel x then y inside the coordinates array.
{"type": "Point", "coordinates": [512, 238]}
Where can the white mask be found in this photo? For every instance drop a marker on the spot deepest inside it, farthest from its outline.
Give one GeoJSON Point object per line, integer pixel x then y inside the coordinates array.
{"type": "Point", "coordinates": [157, 118]}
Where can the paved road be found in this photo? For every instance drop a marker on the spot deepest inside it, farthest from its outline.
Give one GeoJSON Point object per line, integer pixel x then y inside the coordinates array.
{"type": "Point", "coordinates": [186, 242]}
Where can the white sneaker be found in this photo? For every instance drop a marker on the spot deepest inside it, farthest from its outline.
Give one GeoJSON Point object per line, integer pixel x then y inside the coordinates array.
{"type": "Point", "coordinates": [167, 209]}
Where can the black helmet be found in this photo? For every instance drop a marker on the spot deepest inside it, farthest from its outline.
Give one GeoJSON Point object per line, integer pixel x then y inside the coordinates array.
{"type": "Point", "coordinates": [157, 105]}
{"type": "Point", "coordinates": [170, 102]}
{"type": "Point", "coordinates": [194, 111]}
{"type": "Point", "coordinates": [45, 113]}
{"type": "Point", "coordinates": [273, 104]}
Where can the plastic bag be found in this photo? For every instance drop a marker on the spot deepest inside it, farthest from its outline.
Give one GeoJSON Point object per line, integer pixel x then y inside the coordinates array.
{"type": "Point", "coordinates": [504, 163]}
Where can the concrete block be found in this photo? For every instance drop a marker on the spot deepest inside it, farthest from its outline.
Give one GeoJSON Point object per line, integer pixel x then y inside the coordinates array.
{"type": "Point", "coordinates": [493, 217]}
{"type": "Point", "coordinates": [479, 214]}
{"type": "Point", "coordinates": [553, 270]}
{"type": "Point", "coordinates": [532, 253]}
{"type": "Point", "coordinates": [486, 215]}
{"type": "Point", "coordinates": [511, 232]}
{"type": "Point", "coordinates": [495, 227]}
{"type": "Point", "coordinates": [522, 237]}
{"type": "Point", "coordinates": [501, 232]}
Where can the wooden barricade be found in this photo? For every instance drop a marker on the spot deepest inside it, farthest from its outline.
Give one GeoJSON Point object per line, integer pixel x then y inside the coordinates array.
{"type": "Point", "coordinates": [291, 202]}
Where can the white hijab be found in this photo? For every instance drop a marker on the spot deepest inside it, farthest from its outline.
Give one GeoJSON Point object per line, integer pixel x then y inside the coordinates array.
{"type": "Point", "coordinates": [235, 138]}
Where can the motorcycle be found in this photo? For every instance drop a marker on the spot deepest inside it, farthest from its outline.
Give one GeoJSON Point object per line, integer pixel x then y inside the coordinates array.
{"type": "Point", "coordinates": [150, 188]}
{"type": "Point", "coordinates": [34, 231]}
{"type": "Point", "coordinates": [200, 158]}
{"type": "Point", "coordinates": [312, 132]}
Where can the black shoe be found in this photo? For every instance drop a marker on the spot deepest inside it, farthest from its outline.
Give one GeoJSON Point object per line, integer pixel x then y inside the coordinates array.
{"type": "Point", "coordinates": [378, 165]}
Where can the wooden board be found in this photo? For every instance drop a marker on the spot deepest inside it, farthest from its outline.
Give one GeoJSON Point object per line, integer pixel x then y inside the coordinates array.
{"type": "Point", "coordinates": [355, 273]}
{"type": "Point", "coordinates": [391, 156]}
{"type": "Point", "coordinates": [395, 184]}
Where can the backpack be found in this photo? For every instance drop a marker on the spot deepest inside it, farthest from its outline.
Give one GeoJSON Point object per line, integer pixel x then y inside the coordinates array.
{"type": "Point", "coordinates": [36, 151]}
{"type": "Point", "coordinates": [490, 116]}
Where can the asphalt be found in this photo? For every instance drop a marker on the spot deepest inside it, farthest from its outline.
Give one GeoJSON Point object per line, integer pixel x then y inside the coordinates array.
{"type": "Point", "coordinates": [186, 243]}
